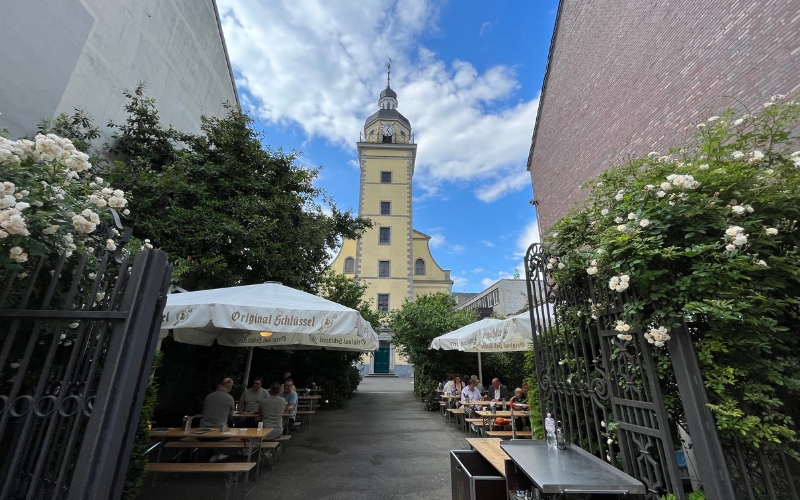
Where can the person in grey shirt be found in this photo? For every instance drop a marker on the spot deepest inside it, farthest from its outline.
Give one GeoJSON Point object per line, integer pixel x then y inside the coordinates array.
{"type": "Point", "coordinates": [217, 409]}
{"type": "Point", "coordinates": [218, 406]}
{"type": "Point", "coordinates": [252, 397]}
{"type": "Point", "coordinates": [271, 409]}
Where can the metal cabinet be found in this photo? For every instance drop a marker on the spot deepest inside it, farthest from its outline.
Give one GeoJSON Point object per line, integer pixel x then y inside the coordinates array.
{"type": "Point", "coordinates": [474, 478]}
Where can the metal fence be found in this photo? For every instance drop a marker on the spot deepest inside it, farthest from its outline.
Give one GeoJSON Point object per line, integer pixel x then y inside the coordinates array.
{"type": "Point", "coordinates": [77, 339]}
{"type": "Point", "coordinates": [602, 385]}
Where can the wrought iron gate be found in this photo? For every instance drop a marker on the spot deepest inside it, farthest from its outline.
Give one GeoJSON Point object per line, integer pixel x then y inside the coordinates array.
{"type": "Point", "coordinates": [603, 388]}
{"type": "Point", "coordinates": [77, 339]}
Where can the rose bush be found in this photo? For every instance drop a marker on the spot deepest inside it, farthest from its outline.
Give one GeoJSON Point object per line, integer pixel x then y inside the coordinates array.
{"type": "Point", "coordinates": [50, 201]}
{"type": "Point", "coordinates": [707, 236]}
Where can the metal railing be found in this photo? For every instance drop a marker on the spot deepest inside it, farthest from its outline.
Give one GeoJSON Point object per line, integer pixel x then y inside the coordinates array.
{"type": "Point", "coordinates": [400, 138]}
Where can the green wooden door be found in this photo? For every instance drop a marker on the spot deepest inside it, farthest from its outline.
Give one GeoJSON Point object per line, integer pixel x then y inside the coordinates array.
{"type": "Point", "coordinates": [382, 358]}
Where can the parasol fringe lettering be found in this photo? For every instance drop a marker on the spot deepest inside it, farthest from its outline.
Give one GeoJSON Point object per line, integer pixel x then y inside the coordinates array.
{"type": "Point", "coordinates": [280, 320]}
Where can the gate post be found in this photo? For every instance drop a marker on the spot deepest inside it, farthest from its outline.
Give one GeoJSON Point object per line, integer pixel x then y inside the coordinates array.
{"type": "Point", "coordinates": [103, 460]}
{"type": "Point", "coordinates": [707, 448]}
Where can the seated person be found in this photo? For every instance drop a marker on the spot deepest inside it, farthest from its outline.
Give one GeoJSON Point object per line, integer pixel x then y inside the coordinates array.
{"type": "Point", "coordinates": [518, 398]}
{"type": "Point", "coordinates": [291, 400]}
{"type": "Point", "coordinates": [271, 411]}
{"type": "Point", "coordinates": [470, 393]}
{"type": "Point", "coordinates": [448, 386]}
{"type": "Point", "coordinates": [458, 385]}
{"type": "Point", "coordinates": [217, 409]}
{"type": "Point", "coordinates": [498, 392]}
{"type": "Point", "coordinates": [477, 383]}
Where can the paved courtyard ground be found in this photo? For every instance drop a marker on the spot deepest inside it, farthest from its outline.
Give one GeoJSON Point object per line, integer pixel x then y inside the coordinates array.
{"type": "Point", "coordinates": [383, 446]}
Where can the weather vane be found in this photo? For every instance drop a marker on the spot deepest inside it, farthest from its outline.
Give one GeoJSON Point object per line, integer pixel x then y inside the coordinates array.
{"type": "Point", "coordinates": [389, 72]}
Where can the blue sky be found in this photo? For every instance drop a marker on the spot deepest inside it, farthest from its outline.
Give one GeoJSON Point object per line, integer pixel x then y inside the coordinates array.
{"type": "Point", "coordinates": [467, 75]}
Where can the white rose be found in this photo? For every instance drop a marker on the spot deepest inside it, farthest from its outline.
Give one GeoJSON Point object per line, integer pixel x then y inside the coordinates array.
{"type": "Point", "coordinates": [740, 240]}
{"type": "Point", "coordinates": [737, 154]}
{"type": "Point", "coordinates": [619, 197]}
{"type": "Point", "coordinates": [619, 220]}
{"type": "Point", "coordinates": [730, 247]}
{"type": "Point", "coordinates": [738, 209]}
{"type": "Point", "coordinates": [621, 228]}
{"type": "Point", "coordinates": [631, 216]}
{"type": "Point", "coordinates": [604, 211]}
{"type": "Point", "coordinates": [761, 263]}
{"type": "Point", "coordinates": [644, 222]}
{"type": "Point", "coordinates": [738, 122]}
{"type": "Point", "coordinates": [704, 166]}
{"type": "Point", "coordinates": [771, 231]}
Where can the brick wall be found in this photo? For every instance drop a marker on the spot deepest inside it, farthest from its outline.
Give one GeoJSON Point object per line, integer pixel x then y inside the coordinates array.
{"type": "Point", "coordinates": [633, 76]}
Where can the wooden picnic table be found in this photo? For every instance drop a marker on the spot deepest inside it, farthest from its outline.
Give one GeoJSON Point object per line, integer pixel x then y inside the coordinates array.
{"type": "Point", "coordinates": [309, 398]}
{"type": "Point", "coordinates": [253, 437]}
{"type": "Point", "coordinates": [489, 448]}
{"type": "Point", "coordinates": [210, 432]}
{"type": "Point", "coordinates": [501, 413]}
{"type": "Point", "coordinates": [474, 403]}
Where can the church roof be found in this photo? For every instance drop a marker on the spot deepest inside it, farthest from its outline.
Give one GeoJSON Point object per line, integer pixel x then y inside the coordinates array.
{"type": "Point", "coordinates": [387, 114]}
{"type": "Point", "coordinates": [388, 92]}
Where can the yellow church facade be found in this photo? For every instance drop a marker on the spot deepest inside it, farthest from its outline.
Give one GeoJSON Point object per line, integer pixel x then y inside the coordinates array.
{"type": "Point", "coordinates": [393, 259]}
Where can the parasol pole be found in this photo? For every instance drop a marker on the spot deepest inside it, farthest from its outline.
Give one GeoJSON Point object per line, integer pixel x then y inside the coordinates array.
{"type": "Point", "coordinates": [480, 370]}
{"type": "Point", "coordinates": [247, 366]}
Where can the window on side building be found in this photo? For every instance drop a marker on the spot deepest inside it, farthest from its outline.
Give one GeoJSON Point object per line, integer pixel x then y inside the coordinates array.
{"type": "Point", "coordinates": [349, 265]}
{"type": "Point", "coordinates": [383, 302]}
{"type": "Point", "coordinates": [386, 208]}
{"type": "Point", "coordinates": [419, 267]}
{"type": "Point", "coordinates": [385, 236]}
{"type": "Point", "coordinates": [386, 177]}
{"type": "Point", "coordinates": [384, 269]}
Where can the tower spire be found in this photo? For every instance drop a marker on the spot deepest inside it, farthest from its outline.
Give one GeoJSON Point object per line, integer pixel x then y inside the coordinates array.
{"type": "Point", "coordinates": [389, 72]}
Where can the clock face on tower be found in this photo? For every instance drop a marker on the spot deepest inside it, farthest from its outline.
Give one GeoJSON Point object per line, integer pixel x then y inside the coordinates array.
{"type": "Point", "coordinates": [387, 128]}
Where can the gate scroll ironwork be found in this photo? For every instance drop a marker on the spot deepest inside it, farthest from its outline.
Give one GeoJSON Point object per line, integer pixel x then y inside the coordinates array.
{"type": "Point", "coordinates": [77, 339]}
{"type": "Point", "coordinates": [599, 382]}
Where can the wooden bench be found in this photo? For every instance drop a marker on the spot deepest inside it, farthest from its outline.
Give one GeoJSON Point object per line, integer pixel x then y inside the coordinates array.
{"type": "Point", "coordinates": [305, 415]}
{"type": "Point", "coordinates": [234, 443]}
{"type": "Point", "coordinates": [231, 471]}
{"type": "Point", "coordinates": [507, 434]}
{"type": "Point", "coordinates": [477, 424]}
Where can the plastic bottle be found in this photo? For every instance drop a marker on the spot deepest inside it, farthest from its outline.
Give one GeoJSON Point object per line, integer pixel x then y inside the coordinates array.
{"type": "Point", "coordinates": [550, 428]}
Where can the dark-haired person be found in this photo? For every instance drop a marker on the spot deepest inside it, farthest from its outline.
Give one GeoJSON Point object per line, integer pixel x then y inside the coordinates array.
{"type": "Point", "coordinates": [291, 400]}
{"type": "Point", "coordinates": [250, 400]}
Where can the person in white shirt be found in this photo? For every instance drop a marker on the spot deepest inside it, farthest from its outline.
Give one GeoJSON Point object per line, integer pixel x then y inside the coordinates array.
{"type": "Point", "coordinates": [448, 386]}
{"type": "Point", "coordinates": [471, 393]}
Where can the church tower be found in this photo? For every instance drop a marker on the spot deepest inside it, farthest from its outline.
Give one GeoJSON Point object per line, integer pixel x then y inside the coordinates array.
{"type": "Point", "coordinates": [392, 259]}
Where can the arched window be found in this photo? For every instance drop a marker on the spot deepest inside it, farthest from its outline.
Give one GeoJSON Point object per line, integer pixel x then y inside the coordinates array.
{"type": "Point", "coordinates": [419, 267]}
{"type": "Point", "coordinates": [349, 265]}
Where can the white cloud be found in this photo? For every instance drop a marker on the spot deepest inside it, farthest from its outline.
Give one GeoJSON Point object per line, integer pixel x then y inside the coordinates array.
{"type": "Point", "coordinates": [485, 28]}
{"type": "Point", "coordinates": [487, 282]}
{"type": "Point", "coordinates": [529, 235]}
{"type": "Point", "coordinates": [506, 184]}
{"type": "Point", "coordinates": [457, 249]}
{"type": "Point", "coordinates": [459, 283]}
{"type": "Point", "coordinates": [488, 243]}
{"type": "Point", "coordinates": [321, 66]}
{"type": "Point", "coordinates": [437, 240]}
{"type": "Point", "coordinates": [477, 270]}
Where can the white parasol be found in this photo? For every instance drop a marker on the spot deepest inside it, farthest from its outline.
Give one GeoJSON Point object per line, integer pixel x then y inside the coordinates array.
{"type": "Point", "coordinates": [452, 341]}
{"type": "Point", "coordinates": [269, 315]}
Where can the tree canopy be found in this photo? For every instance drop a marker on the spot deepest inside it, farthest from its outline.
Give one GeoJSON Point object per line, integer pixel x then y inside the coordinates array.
{"type": "Point", "coordinates": [228, 209]}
